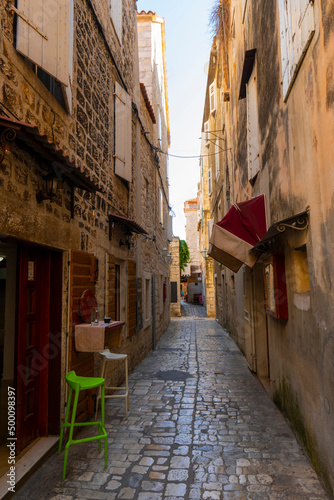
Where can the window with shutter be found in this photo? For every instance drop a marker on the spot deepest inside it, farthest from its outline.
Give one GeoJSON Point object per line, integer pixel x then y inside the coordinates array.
{"type": "Point", "coordinates": [210, 227]}
{"type": "Point", "coordinates": [209, 181]}
{"type": "Point", "coordinates": [206, 134]}
{"type": "Point", "coordinates": [48, 45]}
{"type": "Point", "coordinates": [252, 126]}
{"type": "Point", "coordinates": [123, 133]}
{"type": "Point", "coordinates": [296, 33]}
{"type": "Point", "coordinates": [116, 17]}
{"type": "Point", "coordinates": [161, 207]}
{"type": "Point", "coordinates": [217, 159]}
{"type": "Point", "coordinates": [173, 287]}
{"type": "Point", "coordinates": [243, 9]}
{"type": "Point", "coordinates": [47, 42]}
{"type": "Point", "coordinates": [169, 227]}
{"type": "Point", "coordinates": [212, 94]}
{"type": "Point", "coordinates": [132, 298]}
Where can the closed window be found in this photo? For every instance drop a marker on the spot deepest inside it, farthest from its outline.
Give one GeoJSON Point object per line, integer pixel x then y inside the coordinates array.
{"type": "Point", "coordinates": [173, 287]}
{"type": "Point", "coordinates": [252, 126]}
{"type": "Point", "coordinates": [161, 207]}
{"type": "Point", "coordinates": [47, 42]}
{"type": "Point", "coordinates": [147, 312]}
{"type": "Point", "coordinates": [212, 96]}
{"type": "Point", "coordinates": [209, 181]}
{"type": "Point", "coordinates": [116, 17]}
{"type": "Point", "coordinates": [123, 133]}
{"type": "Point", "coordinates": [206, 134]}
{"type": "Point", "coordinates": [296, 32]}
{"type": "Point", "coordinates": [217, 159]}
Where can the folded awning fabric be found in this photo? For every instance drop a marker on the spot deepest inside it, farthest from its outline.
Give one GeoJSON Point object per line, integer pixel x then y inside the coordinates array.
{"type": "Point", "coordinates": [237, 233]}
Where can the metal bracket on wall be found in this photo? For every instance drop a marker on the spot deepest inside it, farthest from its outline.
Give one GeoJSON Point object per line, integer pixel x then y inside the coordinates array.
{"type": "Point", "coordinates": [13, 9]}
{"type": "Point", "coordinates": [300, 224]}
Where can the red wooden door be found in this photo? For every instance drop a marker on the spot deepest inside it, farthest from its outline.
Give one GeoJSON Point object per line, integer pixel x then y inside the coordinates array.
{"type": "Point", "coordinates": [32, 345]}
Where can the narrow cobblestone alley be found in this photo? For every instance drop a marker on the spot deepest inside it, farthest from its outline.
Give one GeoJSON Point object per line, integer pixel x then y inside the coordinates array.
{"type": "Point", "coordinates": [200, 427]}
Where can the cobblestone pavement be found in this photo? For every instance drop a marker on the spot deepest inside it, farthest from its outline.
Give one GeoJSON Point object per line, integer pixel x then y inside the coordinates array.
{"type": "Point", "coordinates": [200, 427]}
{"type": "Point", "coordinates": [192, 310]}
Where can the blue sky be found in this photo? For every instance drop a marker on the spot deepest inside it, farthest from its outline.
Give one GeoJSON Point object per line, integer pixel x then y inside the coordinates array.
{"type": "Point", "coordinates": [188, 43]}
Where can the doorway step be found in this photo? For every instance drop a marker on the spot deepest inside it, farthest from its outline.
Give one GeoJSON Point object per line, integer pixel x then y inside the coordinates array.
{"type": "Point", "coordinates": [27, 463]}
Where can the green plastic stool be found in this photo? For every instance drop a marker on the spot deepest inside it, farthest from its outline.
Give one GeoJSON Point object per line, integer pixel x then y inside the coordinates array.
{"type": "Point", "coordinates": [78, 384]}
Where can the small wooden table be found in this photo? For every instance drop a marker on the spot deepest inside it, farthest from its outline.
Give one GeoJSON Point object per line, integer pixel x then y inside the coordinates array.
{"type": "Point", "coordinates": [95, 338]}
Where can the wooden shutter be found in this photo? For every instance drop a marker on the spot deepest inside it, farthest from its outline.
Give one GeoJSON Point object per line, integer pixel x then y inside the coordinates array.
{"type": "Point", "coordinates": [81, 362]}
{"type": "Point", "coordinates": [123, 133]}
{"type": "Point", "coordinates": [243, 9]}
{"type": "Point", "coordinates": [132, 298]}
{"type": "Point", "coordinates": [116, 17]}
{"type": "Point", "coordinates": [209, 181]}
{"type": "Point", "coordinates": [206, 133]}
{"type": "Point", "coordinates": [217, 159]}
{"type": "Point", "coordinates": [212, 93]}
{"type": "Point", "coordinates": [173, 288]}
{"type": "Point", "coordinates": [252, 127]}
{"type": "Point", "coordinates": [111, 281]}
{"type": "Point", "coordinates": [286, 48]}
{"type": "Point", "coordinates": [296, 32]}
{"type": "Point", "coordinates": [51, 18]}
{"type": "Point", "coordinates": [169, 227]}
{"type": "Point", "coordinates": [68, 88]}
{"type": "Point", "coordinates": [302, 29]}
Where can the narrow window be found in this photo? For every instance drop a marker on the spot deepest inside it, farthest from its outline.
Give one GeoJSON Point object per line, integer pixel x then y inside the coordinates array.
{"type": "Point", "coordinates": [116, 17]}
{"type": "Point", "coordinates": [252, 126]}
{"type": "Point", "coordinates": [212, 97]}
{"type": "Point", "coordinates": [123, 133]}
{"type": "Point", "coordinates": [296, 33]}
{"type": "Point", "coordinates": [217, 159]}
{"type": "Point", "coordinates": [209, 181]}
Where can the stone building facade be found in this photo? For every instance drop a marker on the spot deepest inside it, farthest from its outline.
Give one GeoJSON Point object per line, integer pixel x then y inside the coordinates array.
{"type": "Point", "coordinates": [269, 100]}
{"type": "Point", "coordinates": [193, 269]}
{"type": "Point", "coordinates": [175, 277]}
{"type": "Point", "coordinates": [204, 227]}
{"type": "Point", "coordinates": [74, 114]}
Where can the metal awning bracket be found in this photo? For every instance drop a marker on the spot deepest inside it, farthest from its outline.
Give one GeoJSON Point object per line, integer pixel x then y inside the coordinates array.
{"type": "Point", "coordinates": [13, 9]}
{"type": "Point", "coordinates": [300, 224]}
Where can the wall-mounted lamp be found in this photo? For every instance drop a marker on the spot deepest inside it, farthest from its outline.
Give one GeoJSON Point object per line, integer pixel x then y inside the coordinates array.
{"type": "Point", "coordinates": [50, 188]}
{"type": "Point", "coordinates": [169, 258]}
{"type": "Point", "coordinates": [164, 252]}
{"type": "Point", "coordinates": [7, 136]}
{"type": "Point", "coordinates": [204, 253]}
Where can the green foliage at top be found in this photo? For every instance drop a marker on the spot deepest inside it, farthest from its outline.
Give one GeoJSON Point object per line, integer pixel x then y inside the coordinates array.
{"type": "Point", "coordinates": [184, 255]}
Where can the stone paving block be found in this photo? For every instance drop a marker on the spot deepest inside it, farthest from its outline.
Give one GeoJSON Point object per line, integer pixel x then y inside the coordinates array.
{"type": "Point", "coordinates": [178, 475]}
{"type": "Point", "coordinates": [152, 486]}
{"type": "Point", "coordinates": [157, 475]}
{"type": "Point", "coordinates": [176, 490]}
{"type": "Point", "coordinates": [127, 493]}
